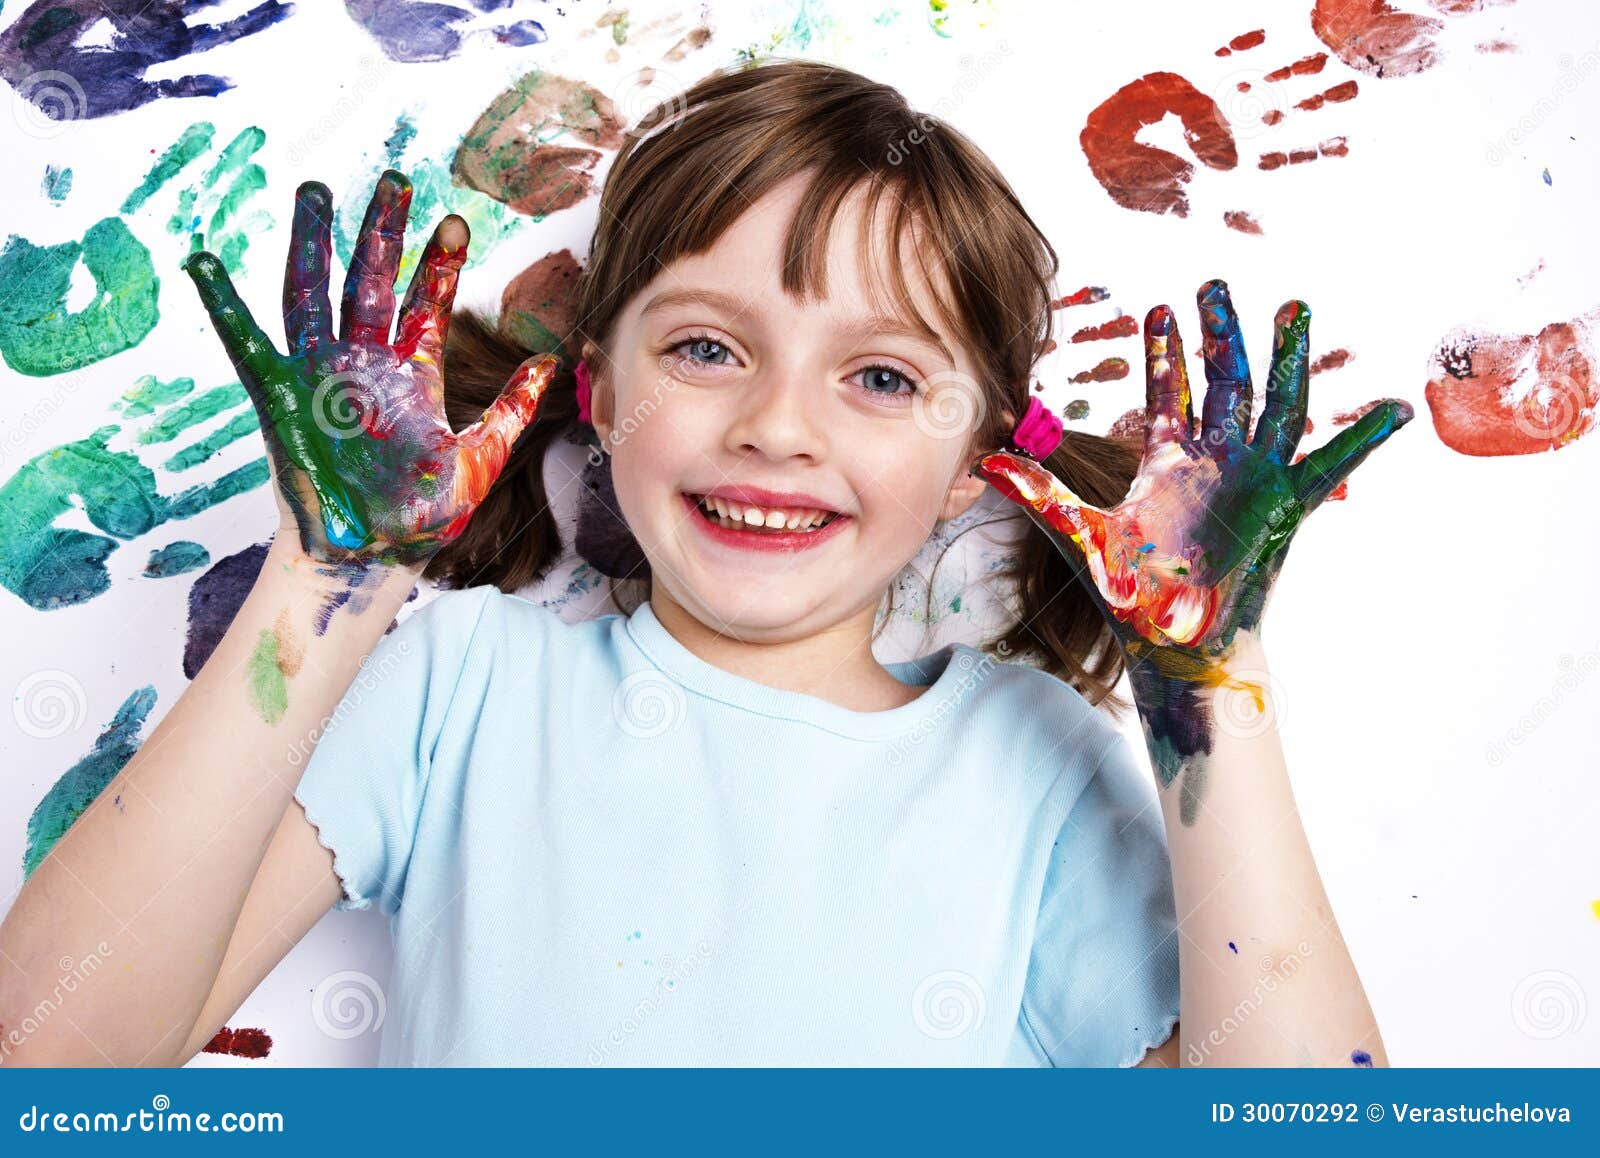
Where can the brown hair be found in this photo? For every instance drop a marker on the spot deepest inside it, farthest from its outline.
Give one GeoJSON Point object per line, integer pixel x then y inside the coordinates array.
{"type": "Point", "coordinates": [681, 178]}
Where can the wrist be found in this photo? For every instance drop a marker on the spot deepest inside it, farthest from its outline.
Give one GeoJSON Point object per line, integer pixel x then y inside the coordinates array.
{"type": "Point", "coordinates": [291, 560]}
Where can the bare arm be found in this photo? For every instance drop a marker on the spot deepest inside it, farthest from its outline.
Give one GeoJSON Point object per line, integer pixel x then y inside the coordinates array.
{"type": "Point", "coordinates": [192, 874]}
{"type": "Point", "coordinates": [152, 878]}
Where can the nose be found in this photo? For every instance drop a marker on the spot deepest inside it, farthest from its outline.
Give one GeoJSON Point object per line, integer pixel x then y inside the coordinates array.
{"type": "Point", "coordinates": [779, 415]}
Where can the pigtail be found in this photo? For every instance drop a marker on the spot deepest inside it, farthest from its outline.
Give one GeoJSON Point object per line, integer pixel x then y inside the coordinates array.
{"type": "Point", "coordinates": [512, 539]}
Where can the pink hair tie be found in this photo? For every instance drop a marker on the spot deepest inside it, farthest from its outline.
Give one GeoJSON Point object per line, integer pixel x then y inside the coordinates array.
{"type": "Point", "coordinates": [1039, 432]}
{"type": "Point", "coordinates": [581, 373]}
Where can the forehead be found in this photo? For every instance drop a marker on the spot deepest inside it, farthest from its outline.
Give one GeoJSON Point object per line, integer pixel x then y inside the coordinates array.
{"type": "Point", "coordinates": [853, 269]}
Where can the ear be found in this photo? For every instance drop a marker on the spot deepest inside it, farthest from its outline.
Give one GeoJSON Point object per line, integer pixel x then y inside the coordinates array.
{"type": "Point", "coordinates": [965, 491]}
{"type": "Point", "coordinates": [601, 403]}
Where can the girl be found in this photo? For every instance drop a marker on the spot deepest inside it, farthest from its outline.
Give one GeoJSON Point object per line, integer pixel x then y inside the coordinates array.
{"type": "Point", "coordinates": [713, 828]}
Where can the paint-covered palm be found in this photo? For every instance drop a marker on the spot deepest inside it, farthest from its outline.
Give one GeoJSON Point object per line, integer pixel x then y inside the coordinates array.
{"type": "Point", "coordinates": [365, 460]}
{"type": "Point", "coordinates": [1189, 557]}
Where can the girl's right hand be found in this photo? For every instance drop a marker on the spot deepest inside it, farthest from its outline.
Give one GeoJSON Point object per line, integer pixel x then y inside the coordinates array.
{"type": "Point", "coordinates": [362, 454]}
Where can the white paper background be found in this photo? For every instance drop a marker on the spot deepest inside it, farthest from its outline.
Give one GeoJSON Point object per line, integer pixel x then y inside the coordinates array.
{"type": "Point", "coordinates": [1415, 625]}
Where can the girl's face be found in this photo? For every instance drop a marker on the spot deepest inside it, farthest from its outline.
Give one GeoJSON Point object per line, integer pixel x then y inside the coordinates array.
{"type": "Point", "coordinates": [720, 384]}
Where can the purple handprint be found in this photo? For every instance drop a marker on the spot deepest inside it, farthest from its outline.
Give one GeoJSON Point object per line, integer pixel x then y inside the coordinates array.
{"type": "Point", "coordinates": [415, 32]}
{"type": "Point", "coordinates": [43, 56]}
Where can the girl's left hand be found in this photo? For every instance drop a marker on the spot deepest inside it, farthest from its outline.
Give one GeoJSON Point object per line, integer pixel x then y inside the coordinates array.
{"type": "Point", "coordinates": [1189, 557]}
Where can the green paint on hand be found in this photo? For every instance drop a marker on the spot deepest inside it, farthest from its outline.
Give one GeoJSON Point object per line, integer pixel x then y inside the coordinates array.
{"type": "Point", "coordinates": [175, 559]}
{"type": "Point", "coordinates": [85, 780]}
{"type": "Point", "coordinates": [269, 691]}
{"type": "Point", "coordinates": [38, 336]}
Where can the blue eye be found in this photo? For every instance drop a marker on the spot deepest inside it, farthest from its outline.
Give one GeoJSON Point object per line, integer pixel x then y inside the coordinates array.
{"type": "Point", "coordinates": [703, 349]}
{"type": "Point", "coordinates": [886, 381]}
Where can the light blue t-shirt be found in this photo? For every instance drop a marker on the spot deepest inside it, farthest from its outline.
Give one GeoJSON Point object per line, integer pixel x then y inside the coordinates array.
{"type": "Point", "coordinates": [597, 848]}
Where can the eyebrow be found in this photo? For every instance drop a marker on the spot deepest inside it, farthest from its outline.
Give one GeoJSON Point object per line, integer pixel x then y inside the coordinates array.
{"type": "Point", "coordinates": [869, 325]}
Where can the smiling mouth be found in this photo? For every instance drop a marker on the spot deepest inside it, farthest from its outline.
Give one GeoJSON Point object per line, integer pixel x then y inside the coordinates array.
{"type": "Point", "coordinates": [761, 520]}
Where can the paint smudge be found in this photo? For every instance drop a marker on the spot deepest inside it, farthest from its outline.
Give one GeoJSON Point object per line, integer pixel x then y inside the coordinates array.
{"type": "Point", "coordinates": [539, 307]}
{"type": "Point", "coordinates": [1374, 38]}
{"type": "Point", "coordinates": [1234, 947]}
{"type": "Point", "coordinates": [39, 336]}
{"type": "Point", "coordinates": [57, 183]}
{"type": "Point", "coordinates": [434, 194]}
{"type": "Point", "coordinates": [1338, 94]}
{"type": "Point", "coordinates": [77, 788]}
{"type": "Point", "coordinates": [1109, 370]}
{"type": "Point", "coordinates": [1129, 427]}
{"type": "Point", "coordinates": [1243, 41]}
{"type": "Point", "coordinates": [1143, 177]}
{"type": "Point", "coordinates": [276, 659]}
{"type": "Point", "coordinates": [537, 144]}
{"type": "Point", "coordinates": [1305, 66]}
{"type": "Point", "coordinates": [214, 601]}
{"type": "Point", "coordinates": [1076, 410]}
{"type": "Point", "coordinates": [248, 1043]}
{"type": "Point", "coordinates": [176, 559]}
{"type": "Point", "coordinates": [1242, 221]}
{"type": "Point", "coordinates": [1332, 147]}
{"type": "Point", "coordinates": [1124, 327]}
{"type": "Point", "coordinates": [1361, 1057]}
{"type": "Point", "coordinates": [1346, 417]}
{"type": "Point", "coordinates": [421, 32]}
{"type": "Point", "coordinates": [1332, 360]}
{"type": "Point", "coordinates": [52, 63]}
{"type": "Point", "coordinates": [1497, 394]}
{"type": "Point", "coordinates": [50, 567]}
{"type": "Point", "coordinates": [1088, 295]}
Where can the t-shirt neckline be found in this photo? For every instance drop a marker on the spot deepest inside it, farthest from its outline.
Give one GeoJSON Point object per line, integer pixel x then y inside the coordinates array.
{"type": "Point", "coordinates": [938, 672]}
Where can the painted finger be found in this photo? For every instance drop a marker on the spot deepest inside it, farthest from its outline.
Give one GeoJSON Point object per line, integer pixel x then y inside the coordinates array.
{"type": "Point", "coordinates": [1062, 515]}
{"type": "Point", "coordinates": [425, 314]}
{"type": "Point", "coordinates": [1169, 412]}
{"type": "Point", "coordinates": [1329, 465]}
{"type": "Point", "coordinates": [368, 306]}
{"type": "Point", "coordinates": [484, 447]}
{"type": "Point", "coordinates": [1283, 417]}
{"type": "Point", "coordinates": [250, 351]}
{"type": "Point", "coordinates": [307, 313]}
{"type": "Point", "coordinates": [1225, 422]}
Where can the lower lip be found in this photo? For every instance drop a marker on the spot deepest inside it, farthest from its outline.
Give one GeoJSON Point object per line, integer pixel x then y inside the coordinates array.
{"type": "Point", "coordinates": [781, 541]}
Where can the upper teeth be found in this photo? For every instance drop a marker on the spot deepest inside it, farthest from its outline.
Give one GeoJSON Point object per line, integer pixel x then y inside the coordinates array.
{"type": "Point", "coordinates": [787, 518]}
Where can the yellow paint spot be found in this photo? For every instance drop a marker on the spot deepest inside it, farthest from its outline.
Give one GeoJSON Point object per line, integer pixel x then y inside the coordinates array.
{"type": "Point", "coordinates": [1594, 907]}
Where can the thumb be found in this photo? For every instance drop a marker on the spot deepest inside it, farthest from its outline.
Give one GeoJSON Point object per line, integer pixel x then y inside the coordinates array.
{"type": "Point", "coordinates": [484, 447]}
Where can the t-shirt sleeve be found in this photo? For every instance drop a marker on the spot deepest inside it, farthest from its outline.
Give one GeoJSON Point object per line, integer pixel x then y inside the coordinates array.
{"type": "Point", "coordinates": [363, 784]}
{"type": "Point", "coordinates": [1102, 983]}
